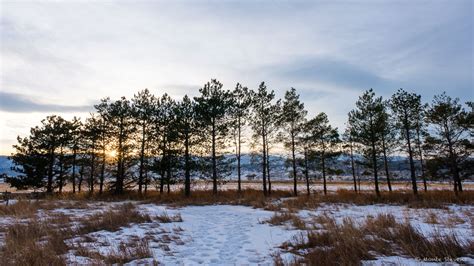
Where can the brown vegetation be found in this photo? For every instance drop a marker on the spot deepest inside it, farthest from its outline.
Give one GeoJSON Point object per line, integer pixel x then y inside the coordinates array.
{"type": "Point", "coordinates": [430, 199]}
{"type": "Point", "coordinates": [165, 218]}
{"type": "Point", "coordinates": [43, 241]}
{"type": "Point", "coordinates": [281, 218]}
{"type": "Point", "coordinates": [112, 220]}
{"type": "Point", "coordinates": [348, 244]}
{"type": "Point", "coordinates": [124, 253]}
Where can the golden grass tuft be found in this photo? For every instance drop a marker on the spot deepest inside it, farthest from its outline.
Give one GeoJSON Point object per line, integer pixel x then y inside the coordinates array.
{"type": "Point", "coordinates": [113, 220]}
{"type": "Point", "coordinates": [348, 244]}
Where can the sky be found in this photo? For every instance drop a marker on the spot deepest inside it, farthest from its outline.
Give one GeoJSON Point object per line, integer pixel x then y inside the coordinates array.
{"type": "Point", "coordinates": [62, 57]}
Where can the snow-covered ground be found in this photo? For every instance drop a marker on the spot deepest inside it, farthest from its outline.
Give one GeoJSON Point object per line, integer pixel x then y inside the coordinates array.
{"type": "Point", "coordinates": [214, 234]}
{"type": "Point", "coordinates": [238, 235]}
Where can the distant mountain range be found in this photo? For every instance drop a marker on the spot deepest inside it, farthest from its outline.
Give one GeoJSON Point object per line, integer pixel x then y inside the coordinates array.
{"type": "Point", "coordinates": [251, 168]}
{"type": "Point", "coordinates": [5, 166]}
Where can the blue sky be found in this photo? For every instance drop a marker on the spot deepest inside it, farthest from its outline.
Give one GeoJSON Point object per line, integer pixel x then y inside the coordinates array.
{"type": "Point", "coordinates": [63, 56]}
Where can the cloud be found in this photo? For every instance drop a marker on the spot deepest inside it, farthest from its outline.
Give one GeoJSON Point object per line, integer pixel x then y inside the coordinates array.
{"type": "Point", "coordinates": [19, 103]}
{"type": "Point", "coordinates": [330, 71]}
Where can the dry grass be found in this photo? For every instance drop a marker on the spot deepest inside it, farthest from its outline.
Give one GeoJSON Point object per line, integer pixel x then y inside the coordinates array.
{"type": "Point", "coordinates": [123, 253]}
{"type": "Point", "coordinates": [247, 197]}
{"type": "Point", "coordinates": [281, 218]}
{"type": "Point", "coordinates": [431, 218]}
{"type": "Point", "coordinates": [21, 209]}
{"type": "Point", "coordinates": [166, 218]}
{"type": "Point", "coordinates": [348, 244]}
{"type": "Point", "coordinates": [37, 242]}
{"type": "Point", "coordinates": [113, 220]}
{"type": "Point", "coordinates": [127, 252]}
{"type": "Point", "coordinates": [43, 241]}
{"type": "Point", "coordinates": [430, 199]}
{"type": "Point", "coordinates": [255, 198]}
{"type": "Point", "coordinates": [29, 208]}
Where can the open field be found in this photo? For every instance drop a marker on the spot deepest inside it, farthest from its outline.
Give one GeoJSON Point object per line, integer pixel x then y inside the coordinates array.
{"type": "Point", "coordinates": [315, 186]}
{"type": "Point", "coordinates": [247, 228]}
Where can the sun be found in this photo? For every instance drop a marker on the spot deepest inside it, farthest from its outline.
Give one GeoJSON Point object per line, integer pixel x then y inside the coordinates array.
{"type": "Point", "coordinates": [112, 153]}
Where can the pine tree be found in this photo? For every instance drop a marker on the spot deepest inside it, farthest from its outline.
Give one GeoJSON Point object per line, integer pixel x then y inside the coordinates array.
{"type": "Point", "coordinates": [367, 122]}
{"type": "Point", "coordinates": [44, 147]}
{"type": "Point", "coordinates": [163, 130]}
{"type": "Point", "coordinates": [405, 107]}
{"type": "Point", "coordinates": [74, 147]}
{"type": "Point", "coordinates": [450, 141]}
{"type": "Point", "coordinates": [264, 119]}
{"type": "Point", "coordinates": [348, 145]}
{"type": "Point", "coordinates": [122, 128]}
{"type": "Point", "coordinates": [323, 140]}
{"type": "Point", "coordinates": [187, 129]}
{"type": "Point", "coordinates": [305, 143]}
{"type": "Point", "coordinates": [30, 162]}
{"type": "Point", "coordinates": [143, 110]}
{"type": "Point", "coordinates": [292, 119]}
{"type": "Point", "coordinates": [241, 103]}
{"type": "Point", "coordinates": [103, 130]}
{"type": "Point", "coordinates": [91, 137]}
{"type": "Point", "coordinates": [421, 131]}
{"type": "Point", "coordinates": [213, 108]}
{"type": "Point", "coordinates": [388, 141]}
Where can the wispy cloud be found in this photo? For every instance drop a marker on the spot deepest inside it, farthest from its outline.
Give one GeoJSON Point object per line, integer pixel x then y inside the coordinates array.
{"type": "Point", "coordinates": [330, 71]}
{"type": "Point", "coordinates": [18, 103]}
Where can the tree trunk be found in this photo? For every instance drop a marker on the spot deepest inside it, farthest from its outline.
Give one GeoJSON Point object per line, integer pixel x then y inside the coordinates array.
{"type": "Point", "coordinates": [61, 170]}
{"type": "Point", "coordinates": [214, 162]}
{"type": "Point", "coordinates": [142, 160]}
{"type": "Point", "coordinates": [306, 170]}
{"type": "Point", "coordinates": [146, 181]}
{"type": "Point", "coordinates": [239, 182]}
{"type": "Point", "coordinates": [421, 158]}
{"type": "Point", "coordinates": [74, 171]}
{"type": "Point", "coordinates": [102, 173]}
{"type": "Point", "coordinates": [49, 186]}
{"type": "Point", "coordinates": [295, 189]}
{"type": "Point", "coordinates": [81, 177]}
{"type": "Point", "coordinates": [323, 164]}
{"type": "Point", "coordinates": [454, 164]}
{"type": "Point", "coordinates": [374, 161]}
{"type": "Point", "coordinates": [412, 164]}
{"type": "Point", "coordinates": [264, 162]}
{"type": "Point", "coordinates": [120, 177]}
{"type": "Point", "coordinates": [387, 173]}
{"type": "Point", "coordinates": [268, 171]}
{"type": "Point", "coordinates": [353, 166]}
{"type": "Point", "coordinates": [187, 181]}
{"type": "Point", "coordinates": [168, 172]}
{"type": "Point", "coordinates": [163, 164]}
{"type": "Point", "coordinates": [91, 177]}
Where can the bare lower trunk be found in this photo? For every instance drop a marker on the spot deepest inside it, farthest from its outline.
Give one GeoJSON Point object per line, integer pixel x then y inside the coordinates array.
{"type": "Point", "coordinates": [374, 161]}
{"type": "Point", "coordinates": [268, 172]}
{"type": "Point", "coordinates": [239, 186]}
{"type": "Point", "coordinates": [187, 178]}
{"type": "Point", "coordinates": [323, 163]}
{"type": "Point", "coordinates": [295, 189]}
{"type": "Point", "coordinates": [422, 168]}
{"type": "Point", "coordinates": [387, 173]}
{"type": "Point", "coordinates": [264, 163]}
{"type": "Point", "coordinates": [142, 160]}
{"type": "Point", "coordinates": [412, 164]}
{"type": "Point", "coordinates": [353, 167]}
{"type": "Point", "coordinates": [306, 171]}
{"type": "Point", "coordinates": [214, 162]}
{"type": "Point", "coordinates": [74, 171]}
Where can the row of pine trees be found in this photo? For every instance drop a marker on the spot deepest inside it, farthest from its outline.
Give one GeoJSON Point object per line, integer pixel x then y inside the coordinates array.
{"type": "Point", "coordinates": [147, 140]}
